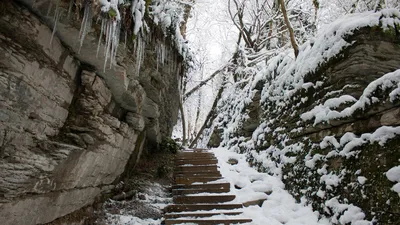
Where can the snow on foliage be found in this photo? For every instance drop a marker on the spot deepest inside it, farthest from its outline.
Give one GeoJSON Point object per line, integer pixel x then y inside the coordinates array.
{"type": "Point", "coordinates": [394, 175]}
{"type": "Point", "coordinates": [346, 213]}
{"type": "Point", "coordinates": [325, 112]}
{"type": "Point", "coordinates": [381, 135]}
{"type": "Point", "coordinates": [348, 143]}
{"type": "Point", "coordinates": [138, 11]}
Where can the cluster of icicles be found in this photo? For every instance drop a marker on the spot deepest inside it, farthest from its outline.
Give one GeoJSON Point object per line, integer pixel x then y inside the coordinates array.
{"type": "Point", "coordinates": [110, 27]}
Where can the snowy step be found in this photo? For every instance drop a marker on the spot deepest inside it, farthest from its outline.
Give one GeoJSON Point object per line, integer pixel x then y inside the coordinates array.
{"type": "Point", "coordinates": [206, 221]}
{"type": "Point", "coordinates": [196, 215]}
{"type": "Point", "coordinates": [203, 199]}
{"type": "Point", "coordinates": [203, 170]}
{"type": "Point", "coordinates": [197, 191]}
{"type": "Point", "coordinates": [207, 206]}
{"type": "Point", "coordinates": [196, 168]}
{"type": "Point", "coordinates": [190, 155]}
{"type": "Point", "coordinates": [196, 207]}
{"type": "Point", "coordinates": [197, 150]}
{"type": "Point", "coordinates": [191, 180]}
{"type": "Point", "coordinates": [203, 186]}
{"type": "Point", "coordinates": [197, 161]}
{"type": "Point", "coordinates": [195, 153]}
{"type": "Point", "coordinates": [199, 174]}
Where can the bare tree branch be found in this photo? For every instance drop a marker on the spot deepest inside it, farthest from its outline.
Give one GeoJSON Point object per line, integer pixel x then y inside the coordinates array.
{"type": "Point", "coordinates": [289, 26]}
{"type": "Point", "coordinates": [204, 82]}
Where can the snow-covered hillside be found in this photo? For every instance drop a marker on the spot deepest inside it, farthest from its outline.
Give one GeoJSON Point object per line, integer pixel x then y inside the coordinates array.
{"type": "Point", "coordinates": [326, 123]}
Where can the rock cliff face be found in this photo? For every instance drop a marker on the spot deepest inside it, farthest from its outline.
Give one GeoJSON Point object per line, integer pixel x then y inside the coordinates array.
{"type": "Point", "coordinates": [333, 134]}
{"type": "Point", "coordinates": [68, 127]}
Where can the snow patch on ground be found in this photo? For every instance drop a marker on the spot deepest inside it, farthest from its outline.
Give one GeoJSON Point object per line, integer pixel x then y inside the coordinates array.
{"type": "Point", "coordinates": [280, 207]}
{"type": "Point", "coordinates": [143, 210]}
{"type": "Point", "coordinates": [248, 184]}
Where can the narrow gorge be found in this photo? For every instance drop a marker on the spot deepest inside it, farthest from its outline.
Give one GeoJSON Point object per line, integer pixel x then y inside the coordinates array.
{"type": "Point", "coordinates": [305, 114]}
{"type": "Point", "coordinates": [71, 123]}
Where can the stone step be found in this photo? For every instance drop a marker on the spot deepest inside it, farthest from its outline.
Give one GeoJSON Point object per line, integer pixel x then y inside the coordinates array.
{"type": "Point", "coordinates": [190, 155]}
{"type": "Point", "coordinates": [200, 166]}
{"type": "Point", "coordinates": [196, 168]}
{"type": "Point", "coordinates": [187, 173]}
{"type": "Point", "coordinates": [196, 150]}
{"type": "Point", "coordinates": [195, 156]}
{"type": "Point", "coordinates": [199, 174]}
{"type": "Point", "coordinates": [195, 153]}
{"type": "Point", "coordinates": [191, 180]}
{"type": "Point", "coordinates": [197, 191]}
{"type": "Point", "coordinates": [196, 215]}
{"type": "Point", "coordinates": [203, 199]}
{"type": "Point", "coordinates": [206, 221]}
{"type": "Point", "coordinates": [196, 162]}
{"type": "Point", "coordinates": [196, 207]}
{"type": "Point", "coordinates": [225, 186]}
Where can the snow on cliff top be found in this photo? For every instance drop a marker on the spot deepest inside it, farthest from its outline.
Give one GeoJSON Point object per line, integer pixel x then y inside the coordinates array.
{"type": "Point", "coordinates": [328, 43]}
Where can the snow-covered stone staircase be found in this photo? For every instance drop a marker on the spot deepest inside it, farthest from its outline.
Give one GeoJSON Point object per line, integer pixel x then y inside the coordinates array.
{"type": "Point", "coordinates": [198, 197]}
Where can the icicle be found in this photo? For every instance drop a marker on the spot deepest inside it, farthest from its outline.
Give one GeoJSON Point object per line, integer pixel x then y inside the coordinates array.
{"type": "Point", "coordinates": [56, 18]}
{"type": "Point", "coordinates": [108, 42]}
{"type": "Point", "coordinates": [116, 41]}
{"type": "Point", "coordinates": [55, 26]}
{"type": "Point", "coordinates": [162, 53]}
{"type": "Point", "coordinates": [71, 3]}
{"type": "Point", "coordinates": [101, 35]}
{"type": "Point", "coordinates": [86, 24]}
{"type": "Point", "coordinates": [113, 39]}
{"type": "Point", "coordinates": [50, 7]}
{"type": "Point", "coordinates": [106, 35]}
{"type": "Point", "coordinates": [139, 50]}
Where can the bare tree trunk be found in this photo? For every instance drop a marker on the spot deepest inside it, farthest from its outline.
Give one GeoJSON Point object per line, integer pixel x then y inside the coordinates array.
{"type": "Point", "coordinates": [379, 5]}
{"type": "Point", "coordinates": [211, 115]}
{"type": "Point", "coordinates": [316, 6]}
{"type": "Point", "coordinates": [354, 6]}
{"type": "Point", "coordinates": [290, 28]}
{"type": "Point", "coordinates": [186, 14]}
{"type": "Point", "coordinates": [196, 121]}
{"type": "Point", "coordinates": [183, 122]}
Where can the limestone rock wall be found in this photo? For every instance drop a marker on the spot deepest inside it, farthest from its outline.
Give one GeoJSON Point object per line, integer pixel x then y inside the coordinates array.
{"type": "Point", "coordinates": [68, 128]}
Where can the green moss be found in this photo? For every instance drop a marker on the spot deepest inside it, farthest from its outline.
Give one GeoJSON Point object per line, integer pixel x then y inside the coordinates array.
{"type": "Point", "coordinates": [148, 2]}
{"type": "Point", "coordinates": [112, 13]}
{"type": "Point", "coordinates": [164, 170]}
{"type": "Point", "coordinates": [390, 31]}
{"type": "Point", "coordinates": [169, 145]}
